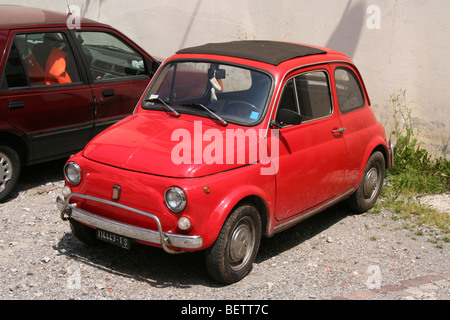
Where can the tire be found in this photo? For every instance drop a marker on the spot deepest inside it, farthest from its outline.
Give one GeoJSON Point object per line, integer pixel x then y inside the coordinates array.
{"type": "Point", "coordinates": [370, 186]}
{"type": "Point", "coordinates": [231, 257]}
{"type": "Point", "coordinates": [9, 171]}
{"type": "Point", "coordinates": [83, 233]}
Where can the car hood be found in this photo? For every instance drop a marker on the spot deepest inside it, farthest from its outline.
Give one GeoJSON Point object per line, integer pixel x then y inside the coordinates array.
{"type": "Point", "coordinates": [184, 147]}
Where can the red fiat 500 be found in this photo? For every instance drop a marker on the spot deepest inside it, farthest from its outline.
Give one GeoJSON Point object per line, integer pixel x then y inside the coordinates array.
{"type": "Point", "coordinates": [231, 142]}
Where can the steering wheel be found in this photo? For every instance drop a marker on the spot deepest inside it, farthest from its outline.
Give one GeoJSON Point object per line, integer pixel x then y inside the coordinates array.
{"type": "Point", "coordinates": [239, 108]}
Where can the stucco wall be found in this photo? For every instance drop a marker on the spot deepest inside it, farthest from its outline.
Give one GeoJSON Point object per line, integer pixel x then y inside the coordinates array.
{"type": "Point", "coordinates": [396, 44]}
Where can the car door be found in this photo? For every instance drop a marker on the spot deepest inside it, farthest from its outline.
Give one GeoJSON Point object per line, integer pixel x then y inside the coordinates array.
{"type": "Point", "coordinates": [44, 95]}
{"type": "Point", "coordinates": [119, 73]}
{"type": "Point", "coordinates": [355, 116]}
{"type": "Point", "coordinates": [312, 153]}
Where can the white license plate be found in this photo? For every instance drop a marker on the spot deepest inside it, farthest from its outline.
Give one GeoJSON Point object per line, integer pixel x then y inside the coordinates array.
{"type": "Point", "coordinates": [113, 238]}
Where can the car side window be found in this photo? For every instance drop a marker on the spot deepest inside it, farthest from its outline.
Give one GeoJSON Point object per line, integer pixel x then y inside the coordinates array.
{"type": "Point", "coordinates": [314, 96]}
{"type": "Point", "coordinates": [40, 59]}
{"type": "Point", "coordinates": [108, 57]}
{"type": "Point", "coordinates": [348, 89]}
{"type": "Point", "coordinates": [307, 94]}
{"type": "Point", "coordinates": [14, 75]}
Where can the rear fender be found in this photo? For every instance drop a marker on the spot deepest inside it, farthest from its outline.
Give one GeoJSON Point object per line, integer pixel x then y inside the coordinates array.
{"type": "Point", "coordinates": [376, 144]}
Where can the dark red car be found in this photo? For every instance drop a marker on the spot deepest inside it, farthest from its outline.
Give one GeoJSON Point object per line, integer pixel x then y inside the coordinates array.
{"type": "Point", "coordinates": [61, 84]}
{"type": "Point", "coordinates": [231, 142]}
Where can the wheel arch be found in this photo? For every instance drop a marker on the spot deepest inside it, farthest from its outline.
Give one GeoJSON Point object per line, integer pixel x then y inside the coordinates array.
{"type": "Point", "coordinates": [384, 151]}
{"type": "Point", "coordinates": [261, 207]}
{"type": "Point", "coordinates": [243, 195]}
{"type": "Point", "coordinates": [17, 143]}
{"type": "Point", "coordinates": [374, 146]}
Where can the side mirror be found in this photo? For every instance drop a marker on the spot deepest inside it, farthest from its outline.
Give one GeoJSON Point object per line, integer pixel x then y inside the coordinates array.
{"type": "Point", "coordinates": [286, 117]}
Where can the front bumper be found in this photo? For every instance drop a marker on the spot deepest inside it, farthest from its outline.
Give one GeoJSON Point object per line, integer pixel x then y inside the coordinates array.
{"type": "Point", "coordinates": [166, 240]}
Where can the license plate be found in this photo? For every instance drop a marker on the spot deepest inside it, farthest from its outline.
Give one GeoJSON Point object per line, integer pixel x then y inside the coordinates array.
{"type": "Point", "coordinates": [113, 238]}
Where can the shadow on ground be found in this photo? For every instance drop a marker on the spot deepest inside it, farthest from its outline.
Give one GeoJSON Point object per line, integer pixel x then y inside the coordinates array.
{"type": "Point", "coordinates": [38, 175]}
{"type": "Point", "coordinates": [160, 269]}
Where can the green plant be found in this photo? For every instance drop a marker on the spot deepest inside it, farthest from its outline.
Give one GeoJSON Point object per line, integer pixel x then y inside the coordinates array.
{"type": "Point", "coordinates": [415, 172]}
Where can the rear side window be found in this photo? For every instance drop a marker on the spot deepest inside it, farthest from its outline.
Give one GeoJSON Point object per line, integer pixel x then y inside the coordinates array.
{"type": "Point", "coordinates": [348, 89]}
{"type": "Point", "coordinates": [40, 59]}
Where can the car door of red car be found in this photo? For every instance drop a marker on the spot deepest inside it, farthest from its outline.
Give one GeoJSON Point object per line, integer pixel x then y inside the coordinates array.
{"type": "Point", "coordinates": [356, 117]}
{"type": "Point", "coordinates": [43, 94]}
{"type": "Point", "coordinates": [119, 74]}
{"type": "Point", "coordinates": [312, 153]}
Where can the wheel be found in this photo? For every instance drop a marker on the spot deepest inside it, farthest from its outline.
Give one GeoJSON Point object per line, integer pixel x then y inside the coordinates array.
{"type": "Point", "coordinates": [231, 257]}
{"type": "Point", "coordinates": [83, 233]}
{"type": "Point", "coordinates": [9, 171]}
{"type": "Point", "coordinates": [371, 183]}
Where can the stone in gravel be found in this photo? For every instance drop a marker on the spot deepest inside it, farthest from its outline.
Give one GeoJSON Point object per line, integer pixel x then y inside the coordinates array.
{"type": "Point", "coordinates": [100, 286]}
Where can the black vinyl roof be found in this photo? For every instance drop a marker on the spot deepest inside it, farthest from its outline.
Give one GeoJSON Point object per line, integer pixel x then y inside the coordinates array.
{"type": "Point", "coordinates": [272, 52]}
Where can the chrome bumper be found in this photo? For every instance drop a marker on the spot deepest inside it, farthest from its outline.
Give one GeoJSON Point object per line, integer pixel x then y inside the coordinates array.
{"type": "Point", "coordinates": [391, 153]}
{"type": "Point", "coordinates": [158, 237]}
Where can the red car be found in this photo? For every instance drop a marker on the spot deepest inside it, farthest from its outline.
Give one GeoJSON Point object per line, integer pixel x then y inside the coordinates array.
{"type": "Point", "coordinates": [63, 79]}
{"type": "Point", "coordinates": [230, 143]}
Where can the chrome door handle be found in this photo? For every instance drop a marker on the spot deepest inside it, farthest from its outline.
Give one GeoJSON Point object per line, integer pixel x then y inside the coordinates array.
{"type": "Point", "coordinates": [339, 130]}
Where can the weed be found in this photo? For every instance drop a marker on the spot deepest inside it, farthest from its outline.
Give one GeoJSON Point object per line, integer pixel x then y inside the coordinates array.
{"type": "Point", "coordinates": [415, 172]}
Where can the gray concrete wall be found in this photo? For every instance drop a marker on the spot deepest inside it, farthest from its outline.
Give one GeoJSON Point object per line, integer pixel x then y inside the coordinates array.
{"type": "Point", "coordinates": [396, 44]}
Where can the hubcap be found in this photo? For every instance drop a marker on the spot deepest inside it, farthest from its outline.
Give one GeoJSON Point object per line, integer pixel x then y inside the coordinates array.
{"type": "Point", "coordinates": [371, 183]}
{"type": "Point", "coordinates": [242, 243]}
{"type": "Point", "coordinates": [5, 171]}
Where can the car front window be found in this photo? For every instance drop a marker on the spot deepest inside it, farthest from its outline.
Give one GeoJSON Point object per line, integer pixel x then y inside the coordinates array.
{"type": "Point", "coordinates": [234, 93]}
{"type": "Point", "coordinates": [109, 57]}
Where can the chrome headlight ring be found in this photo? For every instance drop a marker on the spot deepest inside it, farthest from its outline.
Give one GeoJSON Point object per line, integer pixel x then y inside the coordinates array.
{"type": "Point", "coordinates": [72, 172]}
{"type": "Point", "coordinates": [175, 199]}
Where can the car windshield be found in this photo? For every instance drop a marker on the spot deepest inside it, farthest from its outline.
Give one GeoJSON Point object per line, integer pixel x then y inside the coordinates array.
{"type": "Point", "coordinates": [225, 93]}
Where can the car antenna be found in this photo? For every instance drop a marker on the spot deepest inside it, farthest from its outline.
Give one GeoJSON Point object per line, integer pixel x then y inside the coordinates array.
{"type": "Point", "coordinates": [69, 12]}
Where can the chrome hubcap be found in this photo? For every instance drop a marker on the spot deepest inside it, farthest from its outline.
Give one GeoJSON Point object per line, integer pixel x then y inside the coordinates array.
{"type": "Point", "coordinates": [5, 171]}
{"type": "Point", "coordinates": [371, 183]}
{"type": "Point", "coordinates": [242, 243]}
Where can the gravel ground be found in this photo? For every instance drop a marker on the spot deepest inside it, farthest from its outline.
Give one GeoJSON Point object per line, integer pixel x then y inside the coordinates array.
{"type": "Point", "coordinates": [333, 255]}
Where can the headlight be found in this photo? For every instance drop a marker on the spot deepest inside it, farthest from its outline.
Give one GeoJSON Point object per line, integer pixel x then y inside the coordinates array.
{"type": "Point", "coordinates": [72, 172]}
{"type": "Point", "coordinates": [175, 199]}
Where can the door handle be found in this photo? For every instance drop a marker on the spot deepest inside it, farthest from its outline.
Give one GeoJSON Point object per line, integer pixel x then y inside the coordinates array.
{"type": "Point", "coordinates": [338, 130]}
{"type": "Point", "coordinates": [108, 92]}
{"type": "Point", "coordinates": [15, 105]}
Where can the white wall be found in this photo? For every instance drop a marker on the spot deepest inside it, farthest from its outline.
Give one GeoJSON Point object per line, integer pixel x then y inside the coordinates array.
{"type": "Point", "coordinates": [405, 51]}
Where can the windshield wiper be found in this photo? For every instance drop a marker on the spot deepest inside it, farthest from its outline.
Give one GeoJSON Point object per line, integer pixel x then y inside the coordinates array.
{"type": "Point", "coordinates": [154, 98]}
{"type": "Point", "coordinates": [215, 115]}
